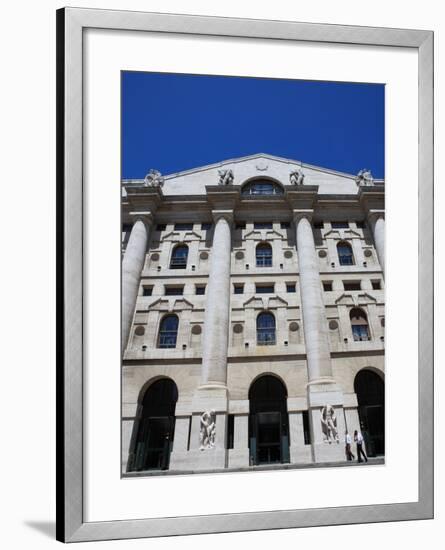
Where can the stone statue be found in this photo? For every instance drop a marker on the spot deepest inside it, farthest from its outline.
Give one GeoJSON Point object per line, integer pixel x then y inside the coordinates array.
{"type": "Point", "coordinates": [225, 177]}
{"type": "Point", "coordinates": [153, 179]}
{"type": "Point", "coordinates": [296, 177]}
{"type": "Point", "coordinates": [364, 178]}
{"type": "Point", "coordinates": [329, 424]}
{"type": "Point", "coordinates": [207, 430]}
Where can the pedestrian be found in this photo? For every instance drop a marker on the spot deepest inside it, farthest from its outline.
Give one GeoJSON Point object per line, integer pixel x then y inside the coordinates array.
{"type": "Point", "coordinates": [348, 442]}
{"type": "Point", "coordinates": [358, 438]}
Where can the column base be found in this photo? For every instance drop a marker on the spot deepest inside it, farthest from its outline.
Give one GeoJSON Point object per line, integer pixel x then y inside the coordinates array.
{"type": "Point", "coordinates": [300, 454]}
{"type": "Point", "coordinates": [239, 458]}
{"type": "Point", "coordinates": [326, 446]}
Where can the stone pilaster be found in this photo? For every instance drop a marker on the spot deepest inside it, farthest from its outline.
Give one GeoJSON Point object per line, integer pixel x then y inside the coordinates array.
{"type": "Point", "coordinates": [377, 223]}
{"type": "Point", "coordinates": [132, 264]}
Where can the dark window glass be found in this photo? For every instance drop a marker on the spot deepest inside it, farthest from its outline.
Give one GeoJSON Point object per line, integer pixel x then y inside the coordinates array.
{"type": "Point", "coordinates": [230, 430]}
{"type": "Point", "coordinates": [161, 227]}
{"type": "Point", "coordinates": [200, 289]}
{"type": "Point", "coordinates": [352, 285]}
{"type": "Point", "coordinates": [147, 291]}
{"type": "Point", "coordinates": [376, 285]}
{"type": "Point", "coordinates": [264, 289]}
{"type": "Point", "coordinates": [327, 286]}
{"type": "Point", "coordinates": [306, 431]}
{"type": "Point", "coordinates": [206, 226]}
{"type": "Point", "coordinates": [359, 325]}
{"type": "Point", "coordinates": [263, 225]}
{"type": "Point", "coordinates": [290, 287]}
{"type": "Point", "coordinates": [360, 225]}
{"type": "Point", "coordinates": [262, 187]}
{"type": "Point", "coordinates": [179, 257]}
{"type": "Point", "coordinates": [318, 225]}
{"type": "Point", "coordinates": [183, 226]}
{"type": "Point", "coordinates": [240, 225]}
{"type": "Point", "coordinates": [168, 332]}
{"type": "Point", "coordinates": [265, 329]}
{"type": "Point", "coordinates": [174, 290]}
{"type": "Point", "coordinates": [345, 255]}
{"type": "Point", "coordinates": [263, 255]}
{"type": "Point", "coordinates": [284, 225]}
{"type": "Point", "coordinates": [238, 289]}
{"type": "Point", "coordinates": [339, 225]}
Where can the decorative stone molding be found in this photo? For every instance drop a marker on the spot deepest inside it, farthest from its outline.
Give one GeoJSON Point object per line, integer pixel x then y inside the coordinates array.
{"type": "Point", "coordinates": [224, 214]}
{"type": "Point", "coordinates": [297, 215]}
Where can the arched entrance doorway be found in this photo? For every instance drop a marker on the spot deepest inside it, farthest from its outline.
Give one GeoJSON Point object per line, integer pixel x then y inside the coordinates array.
{"type": "Point", "coordinates": [268, 421]}
{"type": "Point", "coordinates": [370, 390]}
{"type": "Point", "coordinates": [156, 426]}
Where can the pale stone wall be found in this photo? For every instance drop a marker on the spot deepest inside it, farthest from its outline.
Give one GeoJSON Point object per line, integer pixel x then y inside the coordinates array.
{"type": "Point", "coordinates": [236, 365]}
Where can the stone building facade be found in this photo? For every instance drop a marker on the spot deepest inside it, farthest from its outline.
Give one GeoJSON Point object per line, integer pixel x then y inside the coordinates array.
{"type": "Point", "coordinates": [252, 316]}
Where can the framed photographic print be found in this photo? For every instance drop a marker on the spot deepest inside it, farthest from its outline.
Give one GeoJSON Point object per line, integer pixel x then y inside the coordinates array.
{"type": "Point", "coordinates": [231, 340]}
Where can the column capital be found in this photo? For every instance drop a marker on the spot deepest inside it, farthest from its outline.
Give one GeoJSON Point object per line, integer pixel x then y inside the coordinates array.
{"type": "Point", "coordinates": [297, 215]}
{"type": "Point", "coordinates": [374, 215]}
{"type": "Point", "coordinates": [226, 214]}
{"type": "Point", "coordinates": [146, 217]}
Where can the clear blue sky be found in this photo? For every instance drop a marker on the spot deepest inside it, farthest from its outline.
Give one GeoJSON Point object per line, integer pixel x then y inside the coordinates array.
{"type": "Point", "coordinates": [174, 122]}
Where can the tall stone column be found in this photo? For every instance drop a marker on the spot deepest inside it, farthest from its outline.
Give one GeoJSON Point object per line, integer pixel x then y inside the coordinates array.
{"type": "Point", "coordinates": [132, 265]}
{"type": "Point", "coordinates": [377, 222]}
{"type": "Point", "coordinates": [322, 391]}
{"type": "Point", "coordinates": [314, 316]}
{"type": "Point", "coordinates": [216, 321]}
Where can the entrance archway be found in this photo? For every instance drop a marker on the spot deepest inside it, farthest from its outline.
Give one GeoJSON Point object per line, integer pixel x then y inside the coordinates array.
{"type": "Point", "coordinates": [156, 426]}
{"type": "Point", "coordinates": [268, 421]}
{"type": "Point", "coordinates": [370, 390]}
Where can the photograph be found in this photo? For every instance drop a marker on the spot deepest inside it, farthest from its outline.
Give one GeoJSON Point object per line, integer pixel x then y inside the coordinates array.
{"type": "Point", "coordinates": [253, 274]}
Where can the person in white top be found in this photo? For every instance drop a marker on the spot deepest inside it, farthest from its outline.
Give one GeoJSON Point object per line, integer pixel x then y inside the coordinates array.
{"type": "Point", "coordinates": [348, 442]}
{"type": "Point", "coordinates": [358, 438]}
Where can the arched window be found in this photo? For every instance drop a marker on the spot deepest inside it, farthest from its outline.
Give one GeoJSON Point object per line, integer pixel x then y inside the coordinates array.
{"type": "Point", "coordinates": [168, 332]}
{"type": "Point", "coordinates": [261, 187]}
{"type": "Point", "coordinates": [263, 255]}
{"type": "Point", "coordinates": [179, 257]}
{"type": "Point", "coordinates": [265, 329]}
{"type": "Point", "coordinates": [345, 256]}
{"type": "Point", "coordinates": [359, 324]}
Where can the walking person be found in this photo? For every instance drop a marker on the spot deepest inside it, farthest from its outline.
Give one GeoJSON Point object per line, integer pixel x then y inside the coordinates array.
{"type": "Point", "coordinates": [348, 442]}
{"type": "Point", "coordinates": [358, 438]}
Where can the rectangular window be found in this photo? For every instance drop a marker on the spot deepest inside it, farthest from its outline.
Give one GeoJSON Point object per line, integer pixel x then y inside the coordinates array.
{"type": "Point", "coordinates": [290, 287]}
{"type": "Point", "coordinates": [206, 226]}
{"type": "Point", "coordinates": [240, 225]}
{"type": "Point", "coordinates": [174, 291]}
{"type": "Point", "coordinates": [376, 285]}
{"type": "Point", "coordinates": [285, 225]}
{"type": "Point", "coordinates": [200, 289]}
{"type": "Point", "coordinates": [183, 226]}
{"type": "Point", "coordinates": [161, 227]}
{"type": "Point", "coordinates": [263, 225]}
{"type": "Point", "coordinates": [327, 286]}
{"type": "Point", "coordinates": [352, 285]}
{"type": "Point", "coordinates": [147, 291]}
{"type": "Point", "coordinates": [360, 333]}
{"type": "Point", "coordinates": [264, 289]}
{"type": "Point", "coordinates": [340, 225]}
{"type": "Point", "coordinates": [306, 431]}
{"type": "Point", "coordinates": [238, 289]}
{"type": "Point", "coordinates": [230, 430]}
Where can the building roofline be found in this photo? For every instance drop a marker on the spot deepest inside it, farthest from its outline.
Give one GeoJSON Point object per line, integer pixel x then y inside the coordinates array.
{"type": "Point", "coordinates": [243, 159]}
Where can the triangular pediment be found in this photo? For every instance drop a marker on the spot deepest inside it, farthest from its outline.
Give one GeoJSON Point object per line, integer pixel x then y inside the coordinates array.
{"type": "Point", "coordinates": [262, 166]}
{"type": "Point", "coordinates": [172, 303]}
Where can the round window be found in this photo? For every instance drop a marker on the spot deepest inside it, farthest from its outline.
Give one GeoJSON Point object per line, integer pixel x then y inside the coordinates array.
{"type": "Point", "coordinates": [204, 255]}
{"type": "Point", "coordinates": [196, 329]}
{"type": "Point", "coordinates": [288, 254]}
{"type": "Point", "coordinates": [322, 254]}
{"type": "Point", "coordinates": [368, 253]}
{"type": "Point", "coordinates": [239, 255]}
{"type": "Point", "coordinates": [155, 256]}
{"type": "Point", "coordinates": [238, 328]}
{"type": "Point", "coordinates": [333, 325]}
{"type": "Point", "coordinates": [139, 330]}
{"type": "Point", "coordinates": [294, 326]}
